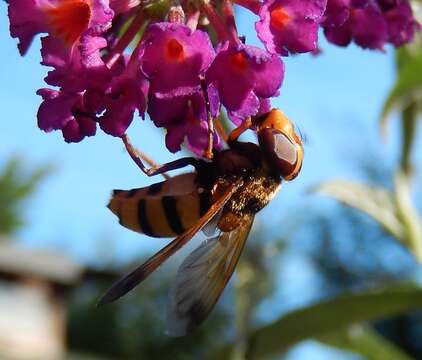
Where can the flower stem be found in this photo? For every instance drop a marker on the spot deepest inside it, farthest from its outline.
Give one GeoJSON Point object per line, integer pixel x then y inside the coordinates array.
{"type": "Point", "coordinates": [217, 23]}
{"type": "Point", "coordinates": [228, 13]}
{"type": "Point", "coordinates": [125, 40]}
{"type": "Point", "coordinates": [134, 57]}
{"type": "Point", "coordinates": [252, 5]}
{"type": "Point", "coordinates": [192, 19]}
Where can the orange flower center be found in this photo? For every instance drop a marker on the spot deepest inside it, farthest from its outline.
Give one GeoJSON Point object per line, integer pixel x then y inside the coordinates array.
{"type": "Point", "coordinates": [69, 19]}
{"type": "Point", "coordinates": [175, 50]}
{"type": "Point", "coordinates": [279, 17]}
{"type": "Point", "coordinates": [239, 61]}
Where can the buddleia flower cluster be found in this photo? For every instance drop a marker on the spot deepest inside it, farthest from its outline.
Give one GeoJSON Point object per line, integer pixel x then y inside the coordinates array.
{"type": "Point", "coordinates": [181, 63]}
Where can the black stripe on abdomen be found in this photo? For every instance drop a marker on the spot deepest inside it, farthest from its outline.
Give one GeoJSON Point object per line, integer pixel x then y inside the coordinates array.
{"type": "Point", "coordinates": [155, 188]}
{"type": "Point", "coordinates": [170, 209]}
{"type": "Point", "coordinates": [131, 193]}
{"type": "Point", "coordinates": [143, 219]}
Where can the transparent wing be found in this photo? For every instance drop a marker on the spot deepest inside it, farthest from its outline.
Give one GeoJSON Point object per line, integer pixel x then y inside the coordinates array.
{"type": "Point", "coordinates": [127, 283]}
{"type": "Point", "coordinates": [202, 278]}
{"type": "Point", "coordinates": [210, 229]}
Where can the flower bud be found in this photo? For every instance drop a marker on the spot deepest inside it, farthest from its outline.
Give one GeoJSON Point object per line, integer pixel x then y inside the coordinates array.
{"type": "Point", "coordinates": [176, 15]}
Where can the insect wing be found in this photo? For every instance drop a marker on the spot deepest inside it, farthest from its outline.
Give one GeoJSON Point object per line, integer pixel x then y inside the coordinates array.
{"type": "Point", "coordinates": [202, 278]}
{"type": "Point", "coordinates": [210, 228]}
{"type": "Point", "coordinates": [130, 281]}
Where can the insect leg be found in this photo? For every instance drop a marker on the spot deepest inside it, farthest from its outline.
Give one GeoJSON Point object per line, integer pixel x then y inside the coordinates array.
{"type": "Point", "coordinates": [245, 125]}
{"type": "Point", "coordinates": [151, 162]}
{"type": "Point", "coordinates": [157, 169]}
{"type": "Point", "coordinates": [220, 129]}
{"type": "Point", "coordinates": [210, 122]}
{"type": "Point", "coordinates": [208, 151]}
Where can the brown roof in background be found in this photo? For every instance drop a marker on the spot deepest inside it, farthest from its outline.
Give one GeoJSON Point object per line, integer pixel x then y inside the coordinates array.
{"type": "Point", "coordinates": [47, 264]}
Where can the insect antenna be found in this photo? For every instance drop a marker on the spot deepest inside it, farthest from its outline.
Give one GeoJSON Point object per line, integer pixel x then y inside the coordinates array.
{"type": "Point", "coordinates": [302, 135]}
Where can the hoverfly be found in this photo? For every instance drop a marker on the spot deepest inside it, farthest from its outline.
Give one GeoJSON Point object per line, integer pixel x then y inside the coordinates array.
{"type": "Point", "coordinates": [221, 197]}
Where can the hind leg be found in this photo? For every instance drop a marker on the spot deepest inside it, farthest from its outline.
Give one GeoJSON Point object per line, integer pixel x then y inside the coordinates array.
{"type": "Point", "coordinates": [156, 169]}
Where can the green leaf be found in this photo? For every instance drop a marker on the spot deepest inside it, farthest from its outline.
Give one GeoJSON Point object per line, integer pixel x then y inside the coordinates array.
{"type": "Point", "coordinates": [16, 185]}
{"type": "Point", "coordinates": [325, 317]}
{"type": "Point", "coordinates": [407, 213]}
{"type": "Point", "coordinates": [375, 201]}
{"type": "Point", "coordinates": [363, 340]}
{"type": "Point", "coordinates": [408, 86]}
{"type": "Point", "coordinates": [409, 118]}
{"type": "Point", "coordinates": [157, 9]}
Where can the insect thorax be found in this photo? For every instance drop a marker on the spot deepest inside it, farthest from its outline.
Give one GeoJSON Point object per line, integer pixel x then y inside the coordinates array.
{"type": "Point", "coordinates": [256, 192]}
{"type": "Point", "coordinates": [244, 161]}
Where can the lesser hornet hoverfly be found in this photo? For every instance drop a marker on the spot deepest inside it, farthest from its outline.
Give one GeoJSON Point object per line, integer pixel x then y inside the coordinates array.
{"type": "Point", "coordinates": [221, 197]}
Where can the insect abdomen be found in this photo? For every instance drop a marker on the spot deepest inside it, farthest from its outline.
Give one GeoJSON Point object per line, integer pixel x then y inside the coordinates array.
{"type": "Point", "coordinates": [158, 211]}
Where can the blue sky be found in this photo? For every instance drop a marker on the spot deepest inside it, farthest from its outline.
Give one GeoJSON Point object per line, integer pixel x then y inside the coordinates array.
{"type": "Point", "coordinates": [334, 98]}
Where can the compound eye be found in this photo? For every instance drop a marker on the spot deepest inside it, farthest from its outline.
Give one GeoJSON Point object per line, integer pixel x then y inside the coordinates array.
{"type": "Point", "coordinates": [280, 151]}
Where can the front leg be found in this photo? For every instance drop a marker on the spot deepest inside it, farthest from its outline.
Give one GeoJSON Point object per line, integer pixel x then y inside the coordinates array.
{"type": "Point", "coordinates": [210, 122]}
{"type": "Point", "coordinates": [234, 135]}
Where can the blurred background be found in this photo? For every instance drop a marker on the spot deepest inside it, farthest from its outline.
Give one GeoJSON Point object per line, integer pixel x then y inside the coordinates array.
{"type": "Point", "coordinates": [331, 268]}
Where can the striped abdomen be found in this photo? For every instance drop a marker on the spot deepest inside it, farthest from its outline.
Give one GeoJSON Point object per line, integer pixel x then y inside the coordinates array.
{"type": "Point", "coordinates": [163, 209]}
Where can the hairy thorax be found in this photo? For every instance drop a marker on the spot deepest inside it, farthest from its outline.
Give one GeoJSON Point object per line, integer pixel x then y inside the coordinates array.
{"type": "Point", "coordinates": [246, 163]}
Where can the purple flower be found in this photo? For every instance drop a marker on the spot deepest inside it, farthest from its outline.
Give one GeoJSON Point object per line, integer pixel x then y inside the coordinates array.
{"type": "Point", "coordinates": [242, 76]}
{"type": "Point", "coordinates": [73, 48]}
{"type": "Point", "coordinates": [369, 23]}
{"type": "Point", "coordinates": [359, 4]}
{"type": "Point", "coordinates": [67, 20]}
{"type": "Point", "coordinates": [67, 109]}
{"type": "Point", "coordinates": [174, 57]}
{"type": "Point", "coordinates": [66, 112]}
{"type": "Point", "coordinates": [184, 117]}
{"type": "Point", "coordinates": [170, 110]}
{"type": "Point", "coordinates": [336, 13]}
{"type": "Point", "coordinates": [75, 69]}
{"type": "Point", "coordinates": [386, 5]}
{"type": "Point", "coordinates": [290, 25]}
{"type": "Point", "coordinates": [126, 94]}
{"type": "Point", "coordinates": [264, 107]}
{"type": "Point", "coordinates": [194, 132]}
{"type": "Point", "coordinates": [192, 126]}
{"type": "Point", "coordinates": [401, 24]}
{"type": "Point", "coordinates": [122, 6]}
{"type": "Point", "coordinates": [365, 25]}
{"type": "Point", "coordinates": [27, 19]}
{"type": "Point", "coordinates": [79, 127]}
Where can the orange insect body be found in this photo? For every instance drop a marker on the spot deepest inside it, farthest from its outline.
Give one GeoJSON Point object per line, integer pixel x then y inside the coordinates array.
{"type": "Point", "coordinates": [221, 197]}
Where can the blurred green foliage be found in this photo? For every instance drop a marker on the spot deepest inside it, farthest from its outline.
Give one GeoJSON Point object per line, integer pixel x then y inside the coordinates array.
{"type": "Point", "coordinates": [364, 341]}
{"type": "Point", "coordinates": [134, 328]}
{"type": "Point", "coordinates": [405, 98]}
{"type": "Point", "coordinates": [393, 209]}
{"type": "Point", "coordinates": [330, 321]}
{"type": "Point", "coordinates": [16, 186]}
